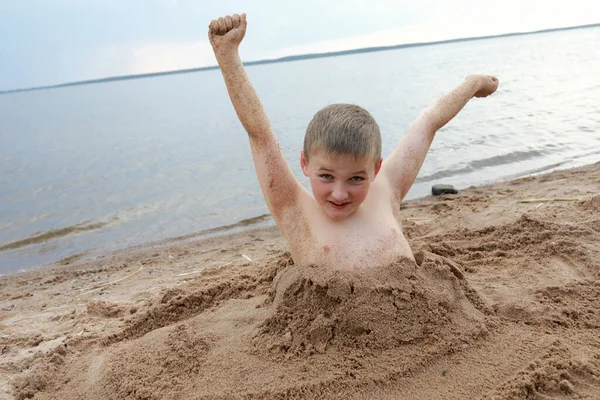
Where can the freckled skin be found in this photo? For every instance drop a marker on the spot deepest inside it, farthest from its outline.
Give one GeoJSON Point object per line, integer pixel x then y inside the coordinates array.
{"type": "Point", "coordinates": [352, 220]}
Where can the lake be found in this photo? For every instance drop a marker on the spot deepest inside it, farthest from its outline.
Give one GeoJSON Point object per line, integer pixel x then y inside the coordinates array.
{"type": "Point", "coordinates": [99, 167]}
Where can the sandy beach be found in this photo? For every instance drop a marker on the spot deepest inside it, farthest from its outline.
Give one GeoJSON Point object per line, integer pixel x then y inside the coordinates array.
{"type": "Point", "coordinates": [503, 303]}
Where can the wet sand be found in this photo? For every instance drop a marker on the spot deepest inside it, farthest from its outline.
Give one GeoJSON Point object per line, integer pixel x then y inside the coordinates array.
{"type": "Point", "coordinates": [503, 303]}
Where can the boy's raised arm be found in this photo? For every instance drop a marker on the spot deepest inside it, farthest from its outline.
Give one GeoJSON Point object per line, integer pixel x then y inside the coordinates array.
{"type": "Point", "coordinates": [277, 182]}
{"type": "Point", "coordinates": [403, 165]}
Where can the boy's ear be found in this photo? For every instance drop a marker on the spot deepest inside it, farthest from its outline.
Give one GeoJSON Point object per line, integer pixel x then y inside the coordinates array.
{"type": "Point", "coordinates": [378, 167]}
{"type": "Point", "coordinates": [303, 163]}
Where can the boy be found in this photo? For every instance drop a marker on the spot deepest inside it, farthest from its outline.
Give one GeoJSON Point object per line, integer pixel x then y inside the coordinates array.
{"type": "Point", "coordinates": [353, 219]}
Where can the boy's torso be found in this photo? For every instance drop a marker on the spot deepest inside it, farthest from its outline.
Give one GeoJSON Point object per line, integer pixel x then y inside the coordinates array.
{"type": "Point", "coordinates": [371, 236]}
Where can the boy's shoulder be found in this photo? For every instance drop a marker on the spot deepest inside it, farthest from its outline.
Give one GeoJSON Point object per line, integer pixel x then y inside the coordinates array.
{"type": "Point", "coordinates": [372, 236]}
{"type": "Point", "coordinates": [379, 205]}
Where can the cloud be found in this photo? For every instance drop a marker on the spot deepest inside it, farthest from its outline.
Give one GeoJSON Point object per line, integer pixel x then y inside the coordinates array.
{"type": "Point", "coordinates": [478, 23]}
{"type": "Point", "coordinates": [462, 19]}
{"type": "Point", "coordinates": [145, 58]}
{"type": "Point", "coordinates": [169, 56]}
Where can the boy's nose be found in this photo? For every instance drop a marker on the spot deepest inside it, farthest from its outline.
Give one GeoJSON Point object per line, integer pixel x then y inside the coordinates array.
{"type": "Point", "coordinates": [339, 193]}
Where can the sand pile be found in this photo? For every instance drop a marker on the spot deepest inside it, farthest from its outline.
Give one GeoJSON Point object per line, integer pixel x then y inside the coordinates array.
{"type": "Point", "coordinates": [592, 204]}
{"type": "Point", "coordinates": [157, 368]}
{"type": "Point", "coordinates": [365, 324]}
{"type": "Point", "coordinates": [558, 373]}
{"type": "Point", "coordinates": [528, 237]}
{"type": "Point", "coordinates": [182, 303]}
{"type": "Point", "coordinates": [318, 310]}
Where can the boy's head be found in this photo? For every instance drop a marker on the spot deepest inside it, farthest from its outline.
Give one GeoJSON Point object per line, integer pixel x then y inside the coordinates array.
{"type": "Point", "coordinates": [341, 157]}
{"type": "Point", "coordinates": [343, 129]}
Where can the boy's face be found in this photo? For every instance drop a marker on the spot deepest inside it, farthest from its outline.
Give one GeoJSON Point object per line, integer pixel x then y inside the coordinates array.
{"type": "Point", "coordinates": [339, 183]}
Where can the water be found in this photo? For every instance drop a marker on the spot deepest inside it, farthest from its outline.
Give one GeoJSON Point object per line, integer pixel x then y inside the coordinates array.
{"type": "Point", "coordinates": [87, 169]}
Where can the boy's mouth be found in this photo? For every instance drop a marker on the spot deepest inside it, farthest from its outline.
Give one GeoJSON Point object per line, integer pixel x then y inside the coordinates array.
{"type": "Point", "coordinates": [338, 206]}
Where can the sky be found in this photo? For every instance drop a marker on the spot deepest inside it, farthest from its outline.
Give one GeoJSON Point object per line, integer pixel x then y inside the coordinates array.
{"type": "Point", "coordinates": [48, 42]}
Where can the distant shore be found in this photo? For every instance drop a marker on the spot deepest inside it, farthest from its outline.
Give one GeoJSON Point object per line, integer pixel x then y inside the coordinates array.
{"type": "Point", "coordinates": [298, 58]}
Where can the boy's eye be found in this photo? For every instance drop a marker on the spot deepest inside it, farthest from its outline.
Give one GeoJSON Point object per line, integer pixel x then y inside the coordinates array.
{"type": "Point", "coordinates": [357, 179]}
{"type": "Point", "coordinates": [326, 176]}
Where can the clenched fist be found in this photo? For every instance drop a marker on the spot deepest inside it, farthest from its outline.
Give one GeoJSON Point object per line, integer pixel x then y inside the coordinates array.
{"type": "Point", "coordinates": [487, 84]}
{"type": "Point", "coordinates": [226, 33]}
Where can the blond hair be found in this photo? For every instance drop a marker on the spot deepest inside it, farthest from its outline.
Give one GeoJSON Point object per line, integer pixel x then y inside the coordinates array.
{"type": "Point", "coordinates": [343, 129]}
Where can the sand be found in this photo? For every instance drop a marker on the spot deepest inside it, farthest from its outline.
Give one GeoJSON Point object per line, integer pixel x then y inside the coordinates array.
{"type": "Point", "coordinates": [502, 303]}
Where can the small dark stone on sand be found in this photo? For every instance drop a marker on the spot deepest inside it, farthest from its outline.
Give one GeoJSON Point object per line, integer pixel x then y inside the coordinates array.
{"type": "Point", "coordinates": [436, 190]}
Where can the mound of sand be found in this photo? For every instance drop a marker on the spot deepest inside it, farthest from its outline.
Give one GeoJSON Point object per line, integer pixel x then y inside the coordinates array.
{"type": "Point", "coordinates": [408, 311]}
{"type": "Point", "coordinates": [182, 303]}
{"type": "Point", "coordinates": [558, 373]}
{"type": "Point", "coordinates": [592, 204]}
{"type": "Point", "coordinates": [318, 310]}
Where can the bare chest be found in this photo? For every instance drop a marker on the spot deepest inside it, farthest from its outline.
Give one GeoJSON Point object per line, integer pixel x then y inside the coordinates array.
{"type": "Point", "coordinates": [368, 240]}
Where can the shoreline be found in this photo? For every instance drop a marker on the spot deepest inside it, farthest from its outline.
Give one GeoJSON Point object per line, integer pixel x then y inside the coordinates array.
{"type": "Point", "coordinates": [526, 274]}
{"type": "Point", "coordinates": [263, 220]}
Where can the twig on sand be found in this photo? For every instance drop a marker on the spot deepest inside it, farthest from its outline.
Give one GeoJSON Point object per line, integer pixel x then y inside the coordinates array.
{"type": "Point", "coordinates": [545, 200]}
{"type": "Point", "coordinates": [20, 296]}
{"type": "Point", "coordinates": [247, 258]}
{"type": "Point", "coordinates": [65, 306]}
{"type": "Point", "coordinates": [113, 282]}
{"type": "Point", "coordinates": [190, 273]}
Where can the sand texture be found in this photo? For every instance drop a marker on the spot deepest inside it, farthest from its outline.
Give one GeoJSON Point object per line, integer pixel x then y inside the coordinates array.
{"type": "Point", "coordinates": [503, 302]}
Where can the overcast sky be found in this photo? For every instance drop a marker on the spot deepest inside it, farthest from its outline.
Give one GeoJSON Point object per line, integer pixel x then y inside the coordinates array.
{"type": "Point", "coordinates": [46, 42]}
